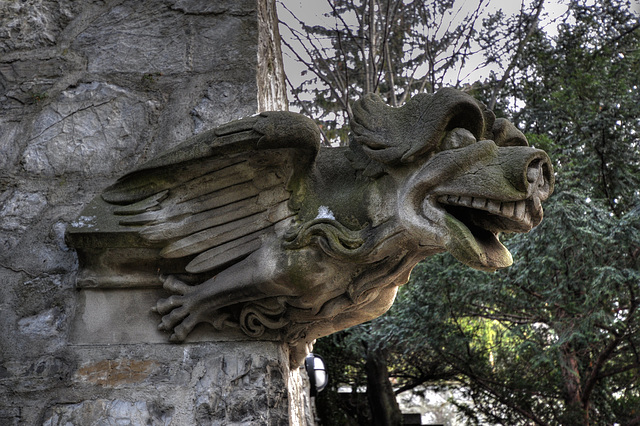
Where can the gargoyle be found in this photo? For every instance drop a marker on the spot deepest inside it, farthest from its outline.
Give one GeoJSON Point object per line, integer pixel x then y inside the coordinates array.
{"type": "Point", "coordinates": [278, 234]}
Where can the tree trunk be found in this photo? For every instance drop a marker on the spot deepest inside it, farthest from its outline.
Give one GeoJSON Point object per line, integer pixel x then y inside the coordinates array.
{"type": "Point", "coordinates": [577, 412]}
{"type": "Point", "coordinates": [385, 410]}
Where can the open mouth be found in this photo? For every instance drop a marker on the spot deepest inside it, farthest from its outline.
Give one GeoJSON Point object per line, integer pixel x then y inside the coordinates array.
{"type": "Point", "coordinates": [492, 215]}
{"type": "Point", "coordinates": [475, 224]}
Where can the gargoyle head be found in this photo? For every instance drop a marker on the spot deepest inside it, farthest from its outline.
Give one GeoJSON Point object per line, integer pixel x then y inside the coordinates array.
{"type": "Point", "coordinates": [471, 176]}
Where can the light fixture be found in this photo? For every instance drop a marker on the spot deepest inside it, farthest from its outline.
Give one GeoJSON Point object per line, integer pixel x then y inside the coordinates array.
{"type": "Point", "coordinates": [314, 365]}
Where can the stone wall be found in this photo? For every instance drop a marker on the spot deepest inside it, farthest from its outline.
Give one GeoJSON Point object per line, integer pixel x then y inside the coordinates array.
{"type": "Point", "coordinates": [88, 90]}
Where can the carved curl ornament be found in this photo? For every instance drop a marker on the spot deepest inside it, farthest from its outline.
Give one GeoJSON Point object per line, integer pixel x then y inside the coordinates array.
{"type": "Point", "coordinates": [252, 226]}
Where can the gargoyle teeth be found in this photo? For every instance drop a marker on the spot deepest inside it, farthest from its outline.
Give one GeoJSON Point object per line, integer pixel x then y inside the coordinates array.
{"type": "Point", "coordinates": [516, 211]}
{"type": "Point", "coordinates": [507, 209]}
{"type": "Point", "coordinates": [493, 206]}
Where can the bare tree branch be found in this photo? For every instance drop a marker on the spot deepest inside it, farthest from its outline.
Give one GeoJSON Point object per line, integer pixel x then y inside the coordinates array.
{"type": "Point", "coordinates": [532, 25]}
{"type": "Point", "coordinates": [303, 105]}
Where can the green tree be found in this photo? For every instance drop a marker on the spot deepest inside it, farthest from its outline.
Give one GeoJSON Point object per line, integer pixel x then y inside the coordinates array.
{"type": "Point", "coordinates": [581, 91]}
{"type": "Point", "coordinates": [551, 340]}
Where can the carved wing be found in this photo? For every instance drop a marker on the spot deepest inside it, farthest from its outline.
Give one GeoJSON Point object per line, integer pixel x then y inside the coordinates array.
{"type": "Point", "coordinates": [213, 198]}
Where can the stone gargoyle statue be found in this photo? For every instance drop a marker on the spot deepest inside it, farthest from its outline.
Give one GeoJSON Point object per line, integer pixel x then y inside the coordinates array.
{"type": "Point", "coordinates": [262, 230]}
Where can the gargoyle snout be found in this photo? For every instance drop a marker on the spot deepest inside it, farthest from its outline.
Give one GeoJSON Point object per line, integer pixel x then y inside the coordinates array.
{"type": "Point", "coordinates": [539, 174]}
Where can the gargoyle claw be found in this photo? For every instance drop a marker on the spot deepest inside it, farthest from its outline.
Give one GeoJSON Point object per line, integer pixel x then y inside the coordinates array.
{"type": "Point", "coordinates": [181, 311]}
{"type": "Point", "coordinates": [181, 331]}
{"type": "Point", "coordinates": [164, 306]}
{"type": "Point", "coordinates": [174, 285]}
{"type": "Point", "coordinates": [174, 318]}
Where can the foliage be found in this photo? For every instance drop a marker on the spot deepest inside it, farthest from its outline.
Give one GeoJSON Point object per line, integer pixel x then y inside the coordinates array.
{"type": "Point", "coordinates": [581, 90]}
{"type": "Point", "coordinates": [344, 358]}
{"type": "Point", "coordinates": [552, 339]}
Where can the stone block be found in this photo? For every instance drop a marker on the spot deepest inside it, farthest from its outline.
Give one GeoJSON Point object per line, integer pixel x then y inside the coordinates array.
{"type": "Point", "coordinates": [220, 103]}
{"type": "Point", "coordinates": [135, 37]}
{"type": "Point", "coordinates": [116, 316]}
{"type": "Point", "coordinates": [223, 383]}
{"type": "Point", "coordinates": [110, 412]}
{"type": "Point", "coordinates": [114, 373]}
{"type": "Point", "coordinates": [9, 416]}
{"type": "Point", "coordinates": [47, 323]}
{"type": "Point", "coordinates": [91, 130]}
{"type": "Point", "coordinates": [30, 25]}
{"type": "Point", "coordinates": [20, 209]}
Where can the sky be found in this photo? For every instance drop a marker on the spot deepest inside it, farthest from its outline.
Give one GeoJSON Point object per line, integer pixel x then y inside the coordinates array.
{"type": "Point", "coordinates": [313, 13]}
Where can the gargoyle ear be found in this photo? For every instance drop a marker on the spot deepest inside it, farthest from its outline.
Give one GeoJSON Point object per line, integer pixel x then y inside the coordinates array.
{"type": "Point", "coordinates": [446, 110]}
{"type": "Point", "coordinates": [400, 135]}
{"type": "Point", "coordinates": [506, 134]}
{"type": "Point", "coordinates": [374, 128]}
{"type": "Point", "coordinates": [489, 121]}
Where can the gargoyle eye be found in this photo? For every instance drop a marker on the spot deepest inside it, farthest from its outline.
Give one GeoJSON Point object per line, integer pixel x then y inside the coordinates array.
{"type": "Point", "coordinates": [457, 138]}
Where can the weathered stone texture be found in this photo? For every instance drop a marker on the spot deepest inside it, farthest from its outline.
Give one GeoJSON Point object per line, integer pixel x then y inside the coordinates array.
{"type": "Point", "coordinates": [33, 24]}
{"type": "Point", "coordinates": [110, 412]}
{"type": "Point", "coordinates": [89, 90]}
{"type": "Point", "coordinates": [237, 384]}
{"type": "Point", "coordinates": [104, 125]}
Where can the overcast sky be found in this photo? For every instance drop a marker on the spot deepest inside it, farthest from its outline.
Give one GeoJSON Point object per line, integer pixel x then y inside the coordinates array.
{"type": "Point", "coordinates": [313, 13]}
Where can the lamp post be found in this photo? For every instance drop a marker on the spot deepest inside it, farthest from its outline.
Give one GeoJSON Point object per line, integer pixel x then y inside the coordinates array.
{"type": "Point", "coordinates": [316, 370]}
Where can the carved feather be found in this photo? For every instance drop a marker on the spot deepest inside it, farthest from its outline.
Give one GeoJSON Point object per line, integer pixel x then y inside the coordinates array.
{"type": "Point", "coordinates": [225, 253]}
{"type": "Point", "coordinates": [189, 224]}
{"type": "Point", "coordinates": [212, 237]}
